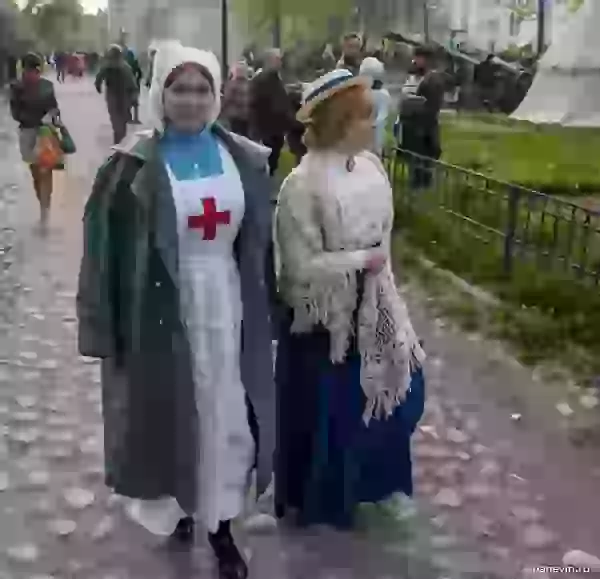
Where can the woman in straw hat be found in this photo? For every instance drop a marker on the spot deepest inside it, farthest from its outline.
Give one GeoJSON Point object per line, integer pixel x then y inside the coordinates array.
{"type": "Point", "coordinates": [348, 371]}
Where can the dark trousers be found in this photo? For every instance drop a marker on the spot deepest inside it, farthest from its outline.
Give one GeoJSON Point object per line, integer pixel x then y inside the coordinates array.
{"type": "Point", "coordinates": [118, 121]}
{"type": "Point", "coordinates": [420, 172]}
{"type": "Point", "coordinates": [275, 143]}
{"type": "Point", "coordinates": [426, 144]}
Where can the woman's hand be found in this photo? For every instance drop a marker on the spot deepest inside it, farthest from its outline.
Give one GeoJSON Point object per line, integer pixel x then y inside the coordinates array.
{"type": "Point", "coordinates": [376, 261]}
{"type": "Point", "coordinates": [55, 118]}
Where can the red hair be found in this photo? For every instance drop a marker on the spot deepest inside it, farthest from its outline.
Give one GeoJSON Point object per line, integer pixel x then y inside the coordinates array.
{"type": "Point", "coordinates": [330, 119]}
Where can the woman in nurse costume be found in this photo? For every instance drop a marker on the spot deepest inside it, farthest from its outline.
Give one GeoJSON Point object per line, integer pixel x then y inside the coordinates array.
{"type": "Point", "coordinates": [349, 378]}
{"type": "Point", "coordinates": [174, 297]}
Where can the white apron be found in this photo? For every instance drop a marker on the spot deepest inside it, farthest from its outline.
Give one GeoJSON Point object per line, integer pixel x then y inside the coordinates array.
{"type": "Point", "coordinates": [209, 213]}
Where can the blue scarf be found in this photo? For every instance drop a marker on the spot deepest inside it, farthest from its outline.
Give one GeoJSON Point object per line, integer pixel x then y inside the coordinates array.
{"type": "Point", "coordinates": [191, 156]}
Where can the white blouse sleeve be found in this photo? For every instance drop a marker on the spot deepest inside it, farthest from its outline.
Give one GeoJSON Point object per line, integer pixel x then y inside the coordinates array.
{"type": "Point", "coordinates": [300, 238]}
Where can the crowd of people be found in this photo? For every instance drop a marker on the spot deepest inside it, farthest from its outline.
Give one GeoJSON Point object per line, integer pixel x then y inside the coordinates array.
{"type": "Point", "coordinates": [257, 104]}
{"type": "Point", "coordinates": [75, 64]}
{"type": "Point", "coordinates": [184, 288]}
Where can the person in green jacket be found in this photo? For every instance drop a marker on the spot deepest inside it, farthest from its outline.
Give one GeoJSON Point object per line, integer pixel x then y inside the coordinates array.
{"type": "Point", "coordinates": [133, 62]}
{"type": "Point", "coordinates": [121, 89]}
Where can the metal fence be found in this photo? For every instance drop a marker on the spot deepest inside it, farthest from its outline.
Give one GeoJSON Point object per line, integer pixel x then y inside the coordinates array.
{"type": "Point", "coordinates": [521, 224]}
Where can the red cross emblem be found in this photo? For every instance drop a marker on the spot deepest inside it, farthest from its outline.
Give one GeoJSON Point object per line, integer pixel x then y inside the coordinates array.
{"type": "Point", "coordinates": [209, 219]}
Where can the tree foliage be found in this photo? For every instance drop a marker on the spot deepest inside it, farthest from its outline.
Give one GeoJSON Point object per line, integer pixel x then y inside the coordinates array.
{"type": "Point", "coordinates": [55, 25]}
{"type": "Point", "coordinates": [310, 19]}
{"type": "Point", "coordinates": [524, 11]}
{"type": "Point", "coordinates": [531, 8]}
{"type": "Point", "coordinates": [51, 25]}
{"type": "Point", "coordinates": [575, 5]}
{"type": "Point", "coordinates": [57, 22]}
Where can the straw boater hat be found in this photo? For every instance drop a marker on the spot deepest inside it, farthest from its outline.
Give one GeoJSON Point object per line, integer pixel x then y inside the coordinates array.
{"type": "Point", "coordinates": [325, 87]}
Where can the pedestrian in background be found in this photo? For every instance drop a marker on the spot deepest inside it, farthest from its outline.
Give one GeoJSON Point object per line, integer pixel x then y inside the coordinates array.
{"type": "Point", "coordinates": [236, 100]}
{"type": "Point", "coordinates": [33, 104]}
{"type": "Point", "coordinates": [133, 62]}
{"type": "Point", "coordinates": [351, 53]}
{"type": "Point", "coordinates": [120, 88]}
{"type": "Point", "coordinates": [60, 64]}
{"type": "Point", "coordinates": [270, 107]}
{"type": "Point", "coordinates": [374, 70]}
{"type": "Point", "coordinates": [420, 118]}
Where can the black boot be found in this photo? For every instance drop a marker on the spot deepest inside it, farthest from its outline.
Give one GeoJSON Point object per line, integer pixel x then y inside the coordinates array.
{"type": "Point", "coordinates": [230, 560]}
{"type": "Point", "coordinates": [184, 532]}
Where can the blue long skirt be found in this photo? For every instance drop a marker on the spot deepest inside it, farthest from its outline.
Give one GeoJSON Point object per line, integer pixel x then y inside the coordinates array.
{"type": "Point", "coordinates": [327, 460]}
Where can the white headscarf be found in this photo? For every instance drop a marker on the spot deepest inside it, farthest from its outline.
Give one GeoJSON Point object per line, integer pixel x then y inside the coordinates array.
{"type": "Point", "coordinates": [373, 68]}
{"type": "Point", "coordinates": [167, 59]}
{"type": "Point", "coordinates": [157, 45]}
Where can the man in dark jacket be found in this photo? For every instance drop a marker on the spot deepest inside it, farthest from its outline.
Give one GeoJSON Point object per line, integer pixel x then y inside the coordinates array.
{"type": "Point", "coordinates": [270, 107]}
{"type": "Point", "coordinates": [485, 80]}
{"type": "Point", "coordinates": [419, 116]}
{"type": "Point", "coordinates": [121, 90]}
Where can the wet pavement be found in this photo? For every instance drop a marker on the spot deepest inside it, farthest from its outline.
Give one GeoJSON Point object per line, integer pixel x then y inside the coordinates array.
{"type": "Point", "coordinates": [477, 514]}
{"type": "Point", "coordinates": [11, 179]}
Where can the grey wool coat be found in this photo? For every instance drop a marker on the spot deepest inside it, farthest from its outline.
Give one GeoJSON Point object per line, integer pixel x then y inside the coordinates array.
{"type": "Point", "coordinates": [128, 310]}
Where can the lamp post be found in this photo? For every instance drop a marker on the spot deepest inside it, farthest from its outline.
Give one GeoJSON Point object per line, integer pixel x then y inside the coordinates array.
{"type": "Point", "coordinates": [277, 40]}
{"type": "Point", "coordinates": [541, 27]}
{"type": "Point", "coordinates": [225, 38]}
{"type": "Point", "coordinates": [427, 7]}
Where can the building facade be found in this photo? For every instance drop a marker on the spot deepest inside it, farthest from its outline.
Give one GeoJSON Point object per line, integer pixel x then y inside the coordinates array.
{"type": "Point", "coordinates": [498, 24]}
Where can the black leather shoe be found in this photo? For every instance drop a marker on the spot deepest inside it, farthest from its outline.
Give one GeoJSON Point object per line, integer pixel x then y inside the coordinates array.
{"type": "Point", "coordinates": [184, 532]}
{"type": "Point", "coordinates": [230, 560]}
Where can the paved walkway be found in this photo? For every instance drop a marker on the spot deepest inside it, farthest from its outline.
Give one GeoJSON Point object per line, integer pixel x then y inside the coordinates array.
{"type": "Point", "coordinates": [57, 519]}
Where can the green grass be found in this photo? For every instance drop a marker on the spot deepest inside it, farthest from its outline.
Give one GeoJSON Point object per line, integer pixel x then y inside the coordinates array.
{"type": "Point", "coordinates": [560, 234]}
{"type": "Point", "coordinates": [547, 313]}
{"type": "Point", "coordinates": [550, 159]}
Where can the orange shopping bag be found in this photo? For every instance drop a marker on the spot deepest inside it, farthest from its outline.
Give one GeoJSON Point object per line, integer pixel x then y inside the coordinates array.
{"type": "Point", "coordinates": [48, 152]}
